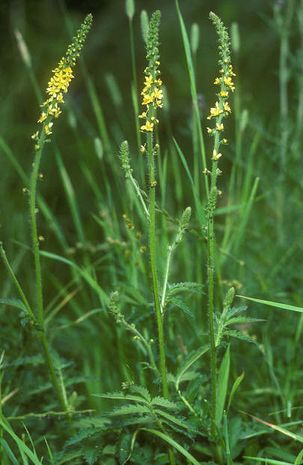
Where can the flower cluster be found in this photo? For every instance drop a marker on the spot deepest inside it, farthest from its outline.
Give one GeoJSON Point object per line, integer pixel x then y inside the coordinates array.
{"type": "Point", "coordinates": [226, 85]}
{"type": "Point", "coordinates": [152, 94]}
{"type": "Point", "coordinates": [61, 78]}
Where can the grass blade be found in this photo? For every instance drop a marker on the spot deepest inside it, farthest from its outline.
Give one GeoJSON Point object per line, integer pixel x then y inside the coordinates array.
{"type": "Point", "coordinates": [223, 377]}
{"type": "Point", "coordinates": [270, 303]}
{"type": "Point", "coordinates": [174, 444]}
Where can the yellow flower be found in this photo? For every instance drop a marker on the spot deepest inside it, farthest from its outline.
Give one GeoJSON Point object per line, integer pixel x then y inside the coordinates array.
{"type": "Point", "coordinates": [229, 82]}
{"type": "Point", "coordinates": [42, 118]}
{"type": "Point", "coordinates": [147, 99]}
{"type": "Point", "coordinates": [216, 155]}
{"type": "Point", "coordinates": [158, 94]}
{"type": "Point", "coordinates": [227, 107]}
{"type": "Point", "coordinates": [223, 93]}
{"type": "Point", "coordinates": [35, 135]}
{"type": "Point", "coordinates": [215, 111]}
{"type": "Point", "coordinates": [60, 81]}
{"type": "Point", "coordinates": [54, 110]}
{"type": "Point", "coordinates": [230, 70]}
{"type": "Point", "coordinates": [148, 126]}
{"type": "Point", "coordinates": [148, 81]}
{"type": "Point", "coordinates": [60, 98]}
{"type": "Point", "coordinates": [209, 130]}
{"type": "Point", "coordinates": [220, 127]}
{"type": "Point", "coordinates": [217, 81]}
{"type": "Point", "coordinates": [47, 129]}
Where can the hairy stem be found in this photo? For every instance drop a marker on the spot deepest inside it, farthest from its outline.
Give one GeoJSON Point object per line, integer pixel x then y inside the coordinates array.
{"type": "Point", "coordinates": [53, 372]}
{"type": "Point", "coordinates": [211, 263]}
{"type": "Point", "coordinates": [152, 251]}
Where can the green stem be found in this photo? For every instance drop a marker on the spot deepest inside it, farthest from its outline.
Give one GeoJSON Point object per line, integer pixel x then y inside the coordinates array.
{"type": "Point", "coordinates": [152, 252]}
{"type": "Point", "coordinates": [211, 248]}
{"type": "Point", "coordinates": [34, 230]}
{"type": "Point", "coordinates": [54, 374]}
{"type": "Point", "coordinates": [55, 378]}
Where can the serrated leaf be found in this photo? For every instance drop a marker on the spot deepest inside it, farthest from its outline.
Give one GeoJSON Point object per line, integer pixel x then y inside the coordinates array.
{"type": "Point", "coordinates": [34, 360]}
{"type": "Point", "coordinates": [239, 320]}
{"type": "Point", "coordinates": [132, 409]}
{"type": "Point", "coordinates": [239, 335]}
{"type": "Point", "coordinates": [190, 376]}
{"type": "Point", "coordinates": [165, 403]}
{"type": "Point", "coordinates": [120, 396]}
{"type": "Point", "coordinates": [184, 287]}
{"type": "Point", "coordinates": [182, 305]}
{"type": "Point", "coordinates": [123, 421]}
{"type": "Point", "coordinates": [173, 419]}
{"type": "Point", "coordinates": [12, 302]}
{"type": "Point", "coordinates": [142, 391]}
{"type": "Point", "coordinates": [232, 311]}
{"type": "Point", "coordinates": [88, 430]}
{"type": "Point", "coordinates": [91, 455]}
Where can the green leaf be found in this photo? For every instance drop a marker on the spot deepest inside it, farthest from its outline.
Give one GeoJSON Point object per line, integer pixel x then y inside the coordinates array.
{"type": "Point", "coordinates": [174, 444]}
{"type": "Point", "coordinates": [91, 455]}
{"type": "Point", "coordinates": [267, 460]}
{"type": "Point", "coordinates": [194, 96]}
{"type": "Point", "coordinates": [177, 288]}
{"type": "Point", "coordinates": [126, 447]}
{"type": "Point", "coordinates": [299, 458]}
{"type": "Point", "coordinates": [239, 335]}
{"type": "Point", "coordinates": [165, 403]}
{"type": "Point", "coordinates": [131, 409]}
{"type": "Point", "coordinates": [142, 391]}
{"type": "Point", "coordinates": [179, 303]}
{"type": "Point", "coordinates": [270, 303]}
{"type": "Point", "coordinates": [234, 389]}
{"type": "Point", "coordinates": [121, 396]}
{"type": "Point", "coordinates": [85, 274]}
{"type": "Point", "coordinates": [188, 363]}
{"type": "Point", "coordinates": [8, 452]}
{"type": "Point", "coordinates": [223, 377]}
{"type": "Point", "coordinates": [34, 360]}
{"type": "Point", "coordinates": [239, 320]}
{"type": "Point", "coordinates": [17, 303]}
{"type": "Point", "coordinates": [200, 211]}
{"type": "Point", "coordinates": [23, 448]}
{"type": "Point", "coordinates": [232, 311]}
{"type": "Point", "coordinates": [172, 419]}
